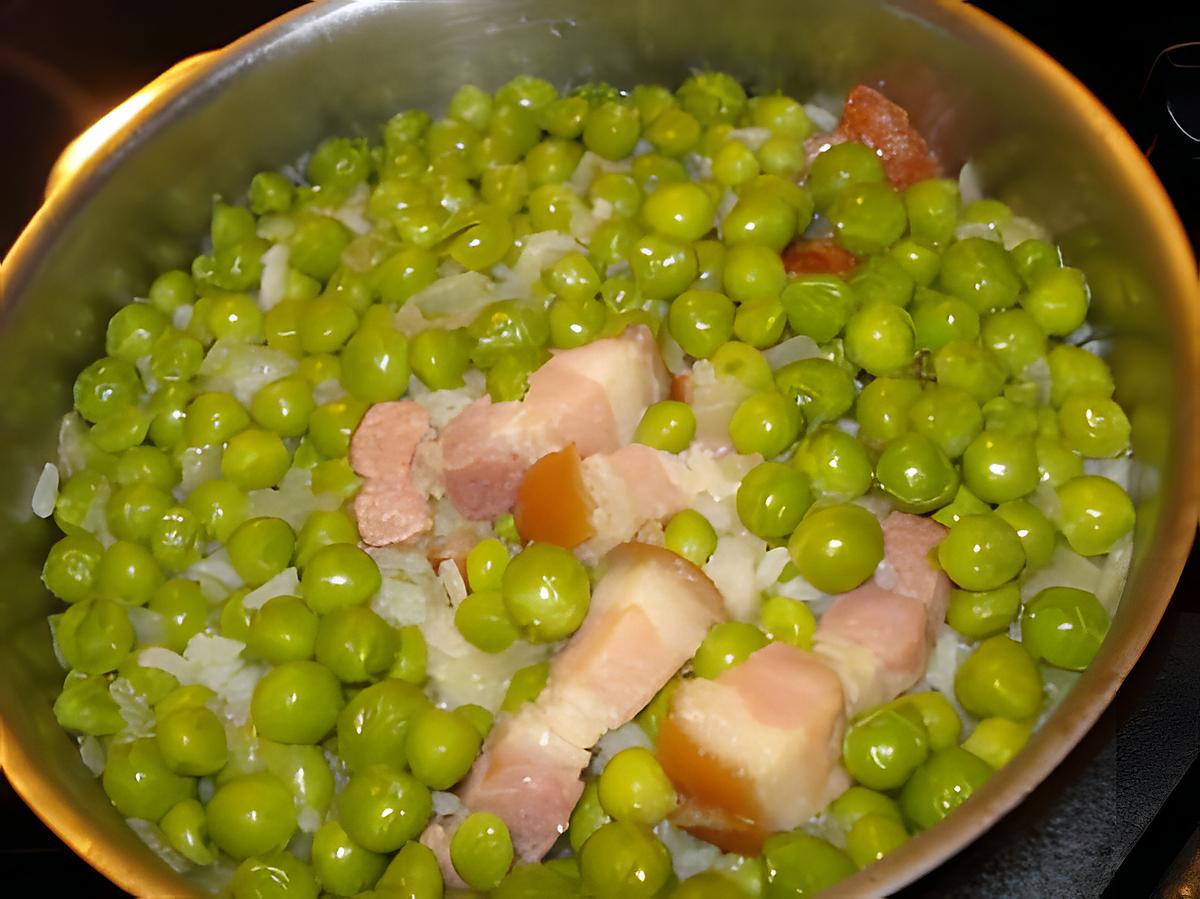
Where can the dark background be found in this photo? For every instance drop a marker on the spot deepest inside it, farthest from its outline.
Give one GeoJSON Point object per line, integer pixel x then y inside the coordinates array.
{"type": "Point", "coordinates": [1119, 818]}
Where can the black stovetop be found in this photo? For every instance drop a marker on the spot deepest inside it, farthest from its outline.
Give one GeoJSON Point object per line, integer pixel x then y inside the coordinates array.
{"type": "Point", "coordinates": [1119, 818]}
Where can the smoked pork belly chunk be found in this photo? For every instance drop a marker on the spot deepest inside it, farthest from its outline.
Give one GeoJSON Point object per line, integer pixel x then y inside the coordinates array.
{"type": "Point", "coordinates": [649, 612]}
{"type": "Point", "coordinates": [878, 636]}
{"type": "Point", "coordinates": [757, 749]}
{"type": "Point", "coordinates": [592, 396]}
{"type": "Point", "coordinates": [389, 508]}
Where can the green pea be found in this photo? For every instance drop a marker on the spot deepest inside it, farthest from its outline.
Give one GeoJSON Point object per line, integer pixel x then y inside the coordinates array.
{"type": "Point", "coordinates": [281, 326]}
{"type": "Point", "coordinates": [147, 464]}
{"type": "Point", "coordinates": [752, 271]}
{"type": "Point", "coordinates": [526, 685]}
{"type": "Point", "coordinates": [76, 497]}
{"type": "Point", "coordinates": [939, 717]}
{"type": "Point", "coordinates": [726, 645]}
{"type": "Point", "coordinates": [296, 702]}
{"type": "Point", "coordinates": [999, 466]}
{"type": "Point", "coordinates": [823, 390]}
{"type": "Point", "coordinates": [219, 506]}
{"type": "Point", "coordinates": [1064, 626]}
{"type": "Point", "coordinates": [673, 132]}
{"type": "Point", "coordinates": [939, 319]}
{"type": "Point", "coordinates": [858, 802]}
{"type": "Point", "coordinates": [413, 873]}
{"type": "Point", "coordinates": [337, 576]}
{"type": "Point", "coordinates": [375, 364]}
{"type": "Point", "coordinates": [948, 416]}
{"type": "Point", "coordinates": [575, 322]}
{"type": "Point", "coordinates": [261, 548]}
{"type": "Point", "coordinates": [440, 358]}
{"type": "Point", "coordinates": [734, 164]}
{"type": "Point", "coordinates": [133, 510]}
{"type": "Point", "coordinates": [668, 425]}
{"type": "Point", "coordinates": [440, 747]}
{"type": "Point", "coordinates": [106, 386]}
{"type": "Point", "coordinates": [967, 365]}
{"type": "Point", "coordinates": [95, 635]}
{"type": "Point", "coordinates": [618, 190]}
{"type": "Point", "coordinates": [383, 808]}
{"type": "Point", "coordinates": [915, 474]}
{"type": "Point", "coordinates": [998, 740]}
{"type": "Point", "coordinates": [283, 630]}
{"type": "Point", "coordinates": [633, 787]}
{"type": "Point", "coordinates": [837, 464]}
{"type": "Point", "coordinates": [355, 643]}
{"type": "Point", "coordinates": [760, 321]}
{"type": "Point", "coordinates": [880, 279]}
{"type": "Point", "coordinates": [612, 130]}
{"type": "Point", "coordinates": [235, 316]}
{"type": "Point", "coordinates": [712, 97]}
{"type": "Point", "coordinates": [981, 552]}
{"type": "Point", "coordinates": [315, 247]}
{"type": "Point", "coordinates": [343, 866]}
{"type": "Point", "coordinates": [170, 290]}
{"type": "Point", "coordinates": [1015, 337]}
{"type": "Point", "coordinates": [508, 378]}
{"type": "Point", "coordinates": [880, 339]}
{"type": "Point", "coordinates": [213, 418]}
{"type": "Point", "coordinates": [872, 837]}
{"type": "Point", "coordinates": [624, 858]}
{"type": "Point", "coordinates": [799, 864]}
{"type": "Point", "coordinates": [787, 620]}
{"type": "Point", "coordinates": [133, 330]}
{"type": "Point", "coordinates": [917, 260]}
{"type": "Point", "coordinates": [85, 706]}
{"type": "Point", "coordinates": [186, 829]}
{"type": "Point", "coordinates": [701, 321]}
{"type": "Point", "coordinates": [772, 499]}
{"type": "Point", "coordinates": [664, 268]}
{"type": "Point", "coordinates": [373, 727]}
{"type": "Point", "coordinates": [760, 218]}
{"type": "Point", "coordinates": [128, 572]}
{"type": "Point", "coordinates": [868, 217]}
{"type": "Point", "coordinates": [941, 785]}
{"type": "Point", "coordinates": [507, 325]}
{"type": "Point", "coordinates": [139, 783]}
{"type": "Point", "coordinates": [192, 741]}
{"type": "Point", "coordinates": [1034, 529]}
{"type": "Point", "coordinates": [1075, 371]}
{"type": "Point", "coordinates": [1057, 300]}
{"type": "Point", "coordinates": [689, 534]}
{"type": "Point", "coordinates": [837, 548]}
{"type": "Point", "coordinates": [838, 168]}
{"type": "Point", "coordinates": [255, 459]}
{"type": "Point", "coordinates": [1033, 257]}
{"type": "Point", "coordinates": [766, 423]}
{"type": "Point", "coordinates": [486, 563]}
{"type": "Point", "coordinates": [481, 850]}
{"type": "Point", "coordinates": [70, 568]}
{"type": "Point", "coordinates": [1094, 513]}
{"type": "Point", "coordinates": [546, 591]}
{"type": "Point", "coordinates": [882, 748]}
{"type": "Point", "coordinates": [743, 363]}
{"type": "Point", "coordinates": [884, 407]}
{"type": "Point", "coordinates": [977, 615]}
{"type": "Point", "coordinates": [412, 655]}
{"type": "Point", "coordinates": [1000, 678]}
{"type": "Point", "coordinates": [284, 407]}
{"type": "Point", "coordinates": [680, 212]}
{"type": "Point", "coordinates": [235, 617]}
{"type": "Point", "coordinates": [1094, 426]}
{"type": "Point", "coordinates": [587, 817]}
{"type": "Point", "coordinates": [278, 874]}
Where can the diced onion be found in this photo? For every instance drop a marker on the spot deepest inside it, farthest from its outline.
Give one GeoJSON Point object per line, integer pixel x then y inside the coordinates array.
{"type": "Point", "coordinates": [286, 583]}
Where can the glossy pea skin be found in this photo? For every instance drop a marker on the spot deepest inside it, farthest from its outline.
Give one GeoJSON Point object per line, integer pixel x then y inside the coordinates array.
{"type": "Point", "coordinates": [255, 459]}
{"type": "Point", "coordinates": [741, 362]}
{"type": "Point", "coordinates": [413, 873]}
{"type": "Point", "coordinates": [1064, 626]}
{"type": "Point", "coordinates": [999, 679]}
{"type": "Point", "coordinates": [760, 321]}
{"type": "Point", "coordinates": [481, 850]}
{"type": "Point", "coordinates": [343, 866]}
{"type": "Point", "coordinates": [612, 130]}
{"type": "Point", "coordinates": [727, 644]}
{"type": "Point", "coordinates": [760, 218]}
{"type": "Point", "coordinates": [980, 272]}
{"type": "Point", "coordinates": [139, 783]}
{"type": "Point", "coordinates": [1014, 337]}
{"type": "Point", "coordinates": [939, 319]}
{"type": "Point", "coordinates": [823, 390]}
{"type": "Point", "coordinates": [999, 467]}
{"type": "Point", "coordinates": [965, 503]}
{"type": "Point", "coordinates": [373, 726]}
{"type": "Point", "coordinates": [132, 511]}
{"type": "Point", "coordinates": [213, 418]}
{"type": "Point", "coordinates": [1094, 426]}
{"type": "Point", "coordinates": [800, 864]}
{"type": "Point", "coordinates": [546, 591]}
{"type": "Point", "coordinates": [355, 643]}
{"type": "Point", "coordinates": [192, 741]}
{"type": "Point", "coordinates": [668, 425]}
{"type": "Point", "coordinates": [375, 365]}
{"type": "Point", "coordinates": [691, 535]}
{"type": "Point", "coordinates": [766, 423]}
{"type": "Point", "coordinates": [526, 685]}
{"type": "Point", "coordinates": [279, 874]}
{"type": "Point", "coordinates": [752, 271]}
{"type": "Point", "coordinates": [998, 740]}
{"type": "Point", "coordinates": [837, 548]}
{"type": "Point", "coordinates": [872, 837]}
{"type": "Point", "coordinates": [251, 815]}
{"type": "Point", "coordinates": [839, 167]}
{"type": "Point", "coordinates": [587, 817]}
{"type": "Point", "coordinates": [337, 576]}
{"type": "Point", "coordinates": [940, 718]}
{"type": "Point", "coordinates": [868, 217]}
{"type": "Point", "coordinates": [284, 407]}
{"type": "Point", "coordinates": [1057, 300]}
{"type": "Point", "coordinates": [712, 97]}
{"type": "Point", "coordinates": [880, 338]}
{"type": "Point", "coordinates": [701, 321]}
{"type": "Point", "coordinates": [969, 366]}
{"type": "Point", "coordinates": [127, 572]}
{"type": "Point", "coordinates": [486, 563]}
{"type": "Point", "coordinates": [622, 858]}
{"type": "Point", "coordinates": [818, 306]}
{"type": "Point", "coordinates": [323, 528]}
{"type": "Point", "coordinates": [772, 499]}
{"type": "Point", "coordinates": [914, 472]}
{"type": "Point", "coordinates": [401, 276]}
{"type": "Point", "coordinates": [186, 829]}
{"type": "Point", "coordinates": [382, 808]}
{"type": "Point", "coordinates": [105, 387]}
{"type": "Point", "coordinates": [296, 702]}
{"type": "Point", "coordinates": [633, 787]}
{"type": "Point", "coordinates": [260, 548]}
{"type": "Point", "coordinates": [681, 212]}
{"type": "Point", "coordinates": [70, 568]}
{"type": "Point", "coordinates": [440, 747]}
{"type": "Point", "coordinates": [857, 802]}
{"type": "Point", "coordinates": [484, 621]}
{"type": "Point", "coordinates": [836, 463]}
{"type": "Point", "coordinates": [941, 785]}
{"type": "Point", "coordinates": [948, 416]}
{"type": "Point", "coordinates": [95, 635]}
{"type": "Point", "coordinates": [977, 615]}
{"type": "Point", "coordinates": [981, 552]}
{"type": "Point", "coordinates": [788, 620]}
{"type": "Point", "coordinates": [86, 707]}
{"type": "Point", "coordinates": [882, 748]}
{"type": "Point", "coordinates": [1033, 528]}
{"type": "Point", "coordinates": [440, 357]}
{"type": "Point", "coordinates": [880, 279]}
{"type": "Point", "coordinates": [916, 259]}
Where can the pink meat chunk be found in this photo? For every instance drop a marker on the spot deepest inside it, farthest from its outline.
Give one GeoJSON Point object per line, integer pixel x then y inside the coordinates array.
{"type": "Point", "coordinates": [389, 507]}
{"type": "Point", "coordinates": [757, 749]}
{"type": "Point", "coordinates": [592, 396]}
{"type": "Point", "coordinates": [878, 637]}
{"type": "Point", "coordinates": [649, 612]}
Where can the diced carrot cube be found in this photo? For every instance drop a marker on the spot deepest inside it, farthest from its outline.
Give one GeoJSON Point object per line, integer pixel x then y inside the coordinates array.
{"type": "Point", "coordinates": [813, 257]}
{"type": "Point", "coordinates": [553, 505]}
{"type": "Point", "coordinates": [872, 119]}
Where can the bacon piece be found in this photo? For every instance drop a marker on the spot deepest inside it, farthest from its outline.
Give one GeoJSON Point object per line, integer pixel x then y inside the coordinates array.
{"type": "Point", "coordinates": [592, 396]}
{"type": "Point", "coordinates": [757, 749]}
{"type": "Point", "coordinates": [649, 612]}
{"type": "Point", "coordinates": [553, 506]}
{"type": "Point", "coordinates": [871, 118]}
{"type": "Point", "coordinates": [878, 636]}
{"type": "Point", "coordinates": [818, 257]}
{"type": "Point", "coordinates": [681, 388]}
{"type": "Point", "coordinates": [389, 508]}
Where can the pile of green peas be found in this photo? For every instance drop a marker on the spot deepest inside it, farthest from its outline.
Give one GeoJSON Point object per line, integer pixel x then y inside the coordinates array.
{"type": "Point", "coordinates": [926, 390]}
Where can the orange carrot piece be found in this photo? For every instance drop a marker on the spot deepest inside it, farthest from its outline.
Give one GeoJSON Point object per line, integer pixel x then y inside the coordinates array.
{"type": "Point", "coordinates": [552, 504]}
